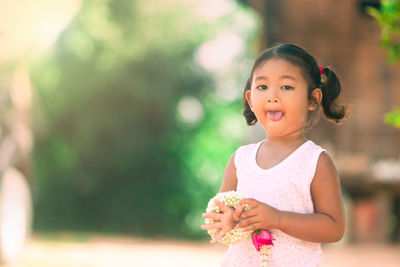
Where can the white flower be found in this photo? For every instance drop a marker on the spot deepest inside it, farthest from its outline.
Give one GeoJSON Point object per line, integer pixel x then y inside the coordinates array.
{"type": "Point", "coordinates": [230, 199]}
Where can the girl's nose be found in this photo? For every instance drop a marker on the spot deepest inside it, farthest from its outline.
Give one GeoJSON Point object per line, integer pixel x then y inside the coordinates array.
{"type": "Point", "coordinates": [272, 99]}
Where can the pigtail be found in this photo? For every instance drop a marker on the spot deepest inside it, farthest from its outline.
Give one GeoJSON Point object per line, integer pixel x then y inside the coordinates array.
{"type": "Point", "coordinates": [331, 88]}
{"type": "Point", "coordinates": [247, 112]}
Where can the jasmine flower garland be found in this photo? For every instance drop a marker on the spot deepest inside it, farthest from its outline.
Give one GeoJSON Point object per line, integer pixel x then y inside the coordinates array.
{"type": "Point", "coordinates": [262, 239]}
{"type": "Point", "coordinates": [230, 199]}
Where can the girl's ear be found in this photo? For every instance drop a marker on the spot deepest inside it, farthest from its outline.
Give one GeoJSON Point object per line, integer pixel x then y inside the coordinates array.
{"type": "Point", "coordinates": [248, 97]}
{"type": "Point", "coordinates": [315, 99]}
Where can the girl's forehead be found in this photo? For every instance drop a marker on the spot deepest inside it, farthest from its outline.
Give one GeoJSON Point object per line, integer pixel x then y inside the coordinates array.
{"type": "Point", "coordinates": [277, 67]}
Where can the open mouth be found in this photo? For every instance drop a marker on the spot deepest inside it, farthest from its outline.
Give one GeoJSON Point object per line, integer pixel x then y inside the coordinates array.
{"type": "Point", "coordinates": [274, 115]}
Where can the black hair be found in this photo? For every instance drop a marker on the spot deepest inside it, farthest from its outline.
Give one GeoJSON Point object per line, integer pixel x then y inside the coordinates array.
{"type": "Point", "coordinates": [329, 85]}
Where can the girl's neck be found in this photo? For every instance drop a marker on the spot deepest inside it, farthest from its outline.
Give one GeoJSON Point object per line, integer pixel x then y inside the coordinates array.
{"type": "Point", "coordinates": [285, 141]}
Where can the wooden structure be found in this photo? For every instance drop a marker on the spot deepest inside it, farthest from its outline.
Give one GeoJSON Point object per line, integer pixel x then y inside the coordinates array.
{"type": "Point", "coordinates": [366, 151]}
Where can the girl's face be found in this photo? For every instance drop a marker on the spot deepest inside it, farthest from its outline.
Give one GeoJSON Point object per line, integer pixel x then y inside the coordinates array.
{"type": "Point", "coordinates": [279, 98]}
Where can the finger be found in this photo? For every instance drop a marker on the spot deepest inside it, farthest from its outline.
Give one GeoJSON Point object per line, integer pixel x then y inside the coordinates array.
{"type": "Point", "coordinates": [235, 218]}
{"type": "Point", "coordinates": [221, 205]}
{"type": "Point", "coordinates": [251, 227]}
{"type": "Point", "coordinates": [212, 215]}
{"type": "Point", "coordinates": [217, 237]}
{"type": "Point", "coordinates": [251, 201]}
{"type": "Point", "coordinates": [247, 214]}
{"type": "Point", "coordinates": [211, 226]}
{"type": "Point", "coordinates": [247, 222]}
{"type": "Point", "coordinates": [238, 212]}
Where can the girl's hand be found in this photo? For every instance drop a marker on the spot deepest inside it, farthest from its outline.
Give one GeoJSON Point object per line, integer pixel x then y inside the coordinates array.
{"type": "Point", "coordinates": [226, 220]}
{"type": "Point", "coordinates": [261, 216]}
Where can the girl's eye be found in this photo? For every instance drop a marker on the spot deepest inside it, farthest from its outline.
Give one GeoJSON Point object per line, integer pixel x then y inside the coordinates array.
{"type": "Point", "coordinates": [262, 87]}
{"type": "Point", "coordinates": [287, 87]}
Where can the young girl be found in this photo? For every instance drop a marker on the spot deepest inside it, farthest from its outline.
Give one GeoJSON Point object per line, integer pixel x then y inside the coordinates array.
{"type": "Point", "coordinates": [291, 182]}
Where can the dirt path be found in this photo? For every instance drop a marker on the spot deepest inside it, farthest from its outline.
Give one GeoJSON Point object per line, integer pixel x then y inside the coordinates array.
{"type": "Point", "coordinates": [101, 251]}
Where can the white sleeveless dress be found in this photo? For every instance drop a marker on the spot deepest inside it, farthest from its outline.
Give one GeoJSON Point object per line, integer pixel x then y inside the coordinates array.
{"type": "Point", "coordinates": [285, 186]}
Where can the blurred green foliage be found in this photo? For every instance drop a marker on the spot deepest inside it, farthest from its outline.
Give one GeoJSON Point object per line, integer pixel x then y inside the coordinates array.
{"type": "Point", "coordinates": [110, 154]}
{"type": "Point", "coordinates": [393, 118]}
{"type": "Point", "coordinates": [388, 18]}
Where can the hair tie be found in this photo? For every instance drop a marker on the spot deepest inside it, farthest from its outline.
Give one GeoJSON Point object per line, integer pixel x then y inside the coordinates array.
{"type": "Point", "coordinates": [320, 70]}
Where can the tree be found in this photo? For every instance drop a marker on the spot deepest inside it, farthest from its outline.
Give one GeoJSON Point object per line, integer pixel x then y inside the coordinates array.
{"type": "Point", "coordinates": [111, 153]}
{"type": "Point", "coordinates": [388, 17]}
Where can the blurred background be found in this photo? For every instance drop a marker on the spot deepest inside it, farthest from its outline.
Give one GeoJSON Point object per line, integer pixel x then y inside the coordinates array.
{"type": "Point", "coordinates": [119, 116]}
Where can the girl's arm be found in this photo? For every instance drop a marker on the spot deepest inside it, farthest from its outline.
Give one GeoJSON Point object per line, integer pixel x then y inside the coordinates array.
{"type": "Point", "coordinates": [229, 181]}
{"type": "Point", "coordinates": [328, 221]}
{"type": "Point", "coordinates": [326, 224]}
{"type": "Point", "coordinates": [226, 221]}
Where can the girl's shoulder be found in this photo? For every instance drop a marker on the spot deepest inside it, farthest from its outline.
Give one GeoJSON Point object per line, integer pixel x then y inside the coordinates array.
{"type": "Point", "coordinates": [244, 152]}
{"type": "Point", "coordinates": [310, 145]}
{"type": "Point", "coordinates": [248, 148]}
{"type": "Point", "coordinates": [309, 154]}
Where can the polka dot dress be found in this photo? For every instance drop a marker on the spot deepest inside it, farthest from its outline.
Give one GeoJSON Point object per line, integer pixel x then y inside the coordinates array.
{"type": "Point", "coordinates": [285, 186]}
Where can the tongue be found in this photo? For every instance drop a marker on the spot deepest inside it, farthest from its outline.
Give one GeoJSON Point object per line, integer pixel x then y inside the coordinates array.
{"type": "Point", "coordinates": [274, 115]}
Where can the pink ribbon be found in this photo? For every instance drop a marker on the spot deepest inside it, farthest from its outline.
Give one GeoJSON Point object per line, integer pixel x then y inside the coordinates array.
{"type": "Point", "coordinates": [320, 70]}
{"type": "Point", "coordinates": [262, 237]}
